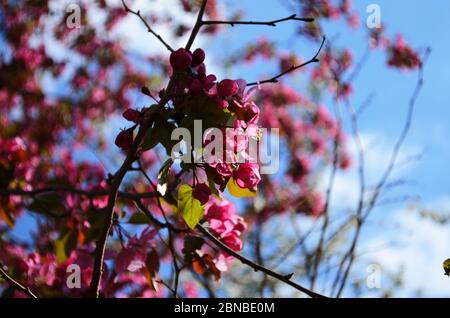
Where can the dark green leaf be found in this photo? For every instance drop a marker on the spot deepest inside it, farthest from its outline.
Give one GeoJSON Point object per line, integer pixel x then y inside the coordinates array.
{"type": "Point", "coordinates": [48, 204]}
{"type": "Point", "coordinates": [139, 218]}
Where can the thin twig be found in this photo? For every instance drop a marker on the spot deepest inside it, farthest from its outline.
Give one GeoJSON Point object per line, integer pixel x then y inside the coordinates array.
{"type": "Point", "coordinates": [197, 26]}
{"type": "Point", "coordinates": [273, 23]}
{"type": "Point", "coordinates": [328, 194]}
{"type": "Point", "coordinates": [393, 159]}
{"type": "Point", "coordinates": [274, 79]}
{"type": "Point", "coordinates": [149, 29]}
{"type": "Point", "coordinates": [15, 283]}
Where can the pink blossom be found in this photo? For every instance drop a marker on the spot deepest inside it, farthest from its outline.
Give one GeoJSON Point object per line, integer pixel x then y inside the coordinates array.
{"type": "Point", "coordinates": [247, 175]}
{"type": "Point", "coordinates": [227, 88]}
{"type": "Point", "coordinates": [198, 57]}
{"type": "Point", "coordinates": [180, 60]}
{"type": "Point", "coordinates": [201, 192]}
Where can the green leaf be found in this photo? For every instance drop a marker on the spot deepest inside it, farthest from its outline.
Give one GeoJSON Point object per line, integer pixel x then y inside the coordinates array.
{"type": "Point", "coordinates": [212, 184]}
{"type": "Point", "coordinates": [157, 133]}
{"type": "Point", "coordinates": [163, 175]}
{"type": "Point", "coordinates": [446, 266]}
{"type": "Point", "coordinates": [97, 221]}
{"type": "Point", "coordinates": [165, 133]}
{"type": "Point", "coordinates": [151, 139]}
{"type": "Point", "coordinates": [48, 204]}
{"type": "Point", "coordinates": [139, 218]}
{"type": "Point", "coordinates": [192, 243]}
{"type": "Point", "coordinates": [190, 208]}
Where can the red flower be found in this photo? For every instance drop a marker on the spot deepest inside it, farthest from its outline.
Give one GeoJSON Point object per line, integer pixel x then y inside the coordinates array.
{"type": "Point", "coordinates": [201, 192]}
{"type": "Point", "coordinates": [131, 115]}
{"type": "Point", "coordinates": [247, 175]}
{"type": "Point", "coordinates": [227, 88]}
{"type": "Point", "coordinates": [180, 60]}
{"type": "Point", "coordinates": [198, 57]}
{"type": "Point", "coordinates": [124, 139]}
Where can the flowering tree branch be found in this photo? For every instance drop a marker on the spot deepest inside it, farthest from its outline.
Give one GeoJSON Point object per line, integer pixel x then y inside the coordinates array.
{"type": "Point", "coordinates": [149, 29]}
{"type": "Point", "coordinates": [284, 278]}
{"type": "Point", "coordinates": [274, 79]}
{"type": "Point", "coordinates": [15, 283]}
{"type": "Point", "coordinates": [113, 192]}
{"type": "Point", "coordinates": [126, 166]}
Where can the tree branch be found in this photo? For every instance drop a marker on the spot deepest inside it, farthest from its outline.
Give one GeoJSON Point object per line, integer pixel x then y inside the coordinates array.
{"type": "Point", "coordinates": [284, 278]}
{"type": "Point", "coordinates": [274, 79]}
{"type": "Point", "coordinates": [15, 283]}
{"type": "Point", "coordinates": [113, 193]}
{"type": "Point", "coordinates": [149, 29]}
{"type": "Point", "coordinates": [88, 193]}
{"type": "Point", "coordinates": [273, 23]}
{"type": "Point", "coordinates": [197, 26]}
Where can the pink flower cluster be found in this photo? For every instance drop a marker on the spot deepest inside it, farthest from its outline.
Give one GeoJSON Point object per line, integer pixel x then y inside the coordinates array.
{"type": "Point", "coordinates": [132, 257]}
{"type": "Point", "coordinates": [225, 223]}
{"type": "Point", "coordinates": [226, 95]}
{"type": "Point", "coordinates": [402, 56]}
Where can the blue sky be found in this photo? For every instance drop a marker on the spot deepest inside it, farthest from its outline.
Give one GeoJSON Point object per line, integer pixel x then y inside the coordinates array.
{"type": "Point", "coordinates": [423, 24]}
{"type": "Point", "coordinates": [423, 245]}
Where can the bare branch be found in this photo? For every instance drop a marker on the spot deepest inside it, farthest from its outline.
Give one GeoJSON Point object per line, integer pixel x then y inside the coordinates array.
{"type": "Point", "coordinates": [274, 79]}
{"type": "Point", "coordinates": [273, 23]}
{"type": "Point", "coordinates": [363, 215]}
{"type": "Point", "coordinates": [197, 26]}
{"type": "Point", "coordinates": [149, 29]}
{"type": "Point", "coordinates": [328, 194]}
{"type": "Point", "coordinates": [15, 283]}
{"type": "Point", "coordinates": [65, 189]}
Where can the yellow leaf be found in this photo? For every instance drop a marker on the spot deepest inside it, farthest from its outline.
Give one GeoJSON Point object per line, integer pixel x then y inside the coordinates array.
{"type": "Point", "coordinates": [236, 191]}
{"type": "Point", "coordinates": [60, 249]}
{"type": "Point", "coordinates": [190, 208]}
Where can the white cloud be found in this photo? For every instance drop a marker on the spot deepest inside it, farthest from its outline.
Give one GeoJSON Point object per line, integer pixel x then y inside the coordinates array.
{"type": "Point", "coordinates": [425, 245]}
{"type": "Point", "coordinates": [139, 40]}
{"type": "Point", "coordinates": [377, 149]}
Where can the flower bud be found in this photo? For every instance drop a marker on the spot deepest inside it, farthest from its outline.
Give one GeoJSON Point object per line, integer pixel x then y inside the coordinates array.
{"type": "Point", "coordinates": [198, 57]}
{"type": "Point", "coordinates": [124, 139]}
{"type": "Point", "coordinates": [227, 88]}
{"type": "Point", "coordinates": [131, 114]}
{"type": "Point", "coordinates": [180, 60]}
{"type": "Point", "coordinates": [201, 192]}
{"type": "Point", "coordinates": [247, 175]}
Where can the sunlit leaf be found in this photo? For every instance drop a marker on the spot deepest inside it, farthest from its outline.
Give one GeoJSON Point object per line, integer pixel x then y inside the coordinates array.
{"type": "Point", "coordinates": [190, 208]}
{"type": "Point", "coordinates": [236, 191]}
{"type": "Point", "coordinates": [60, 248]}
